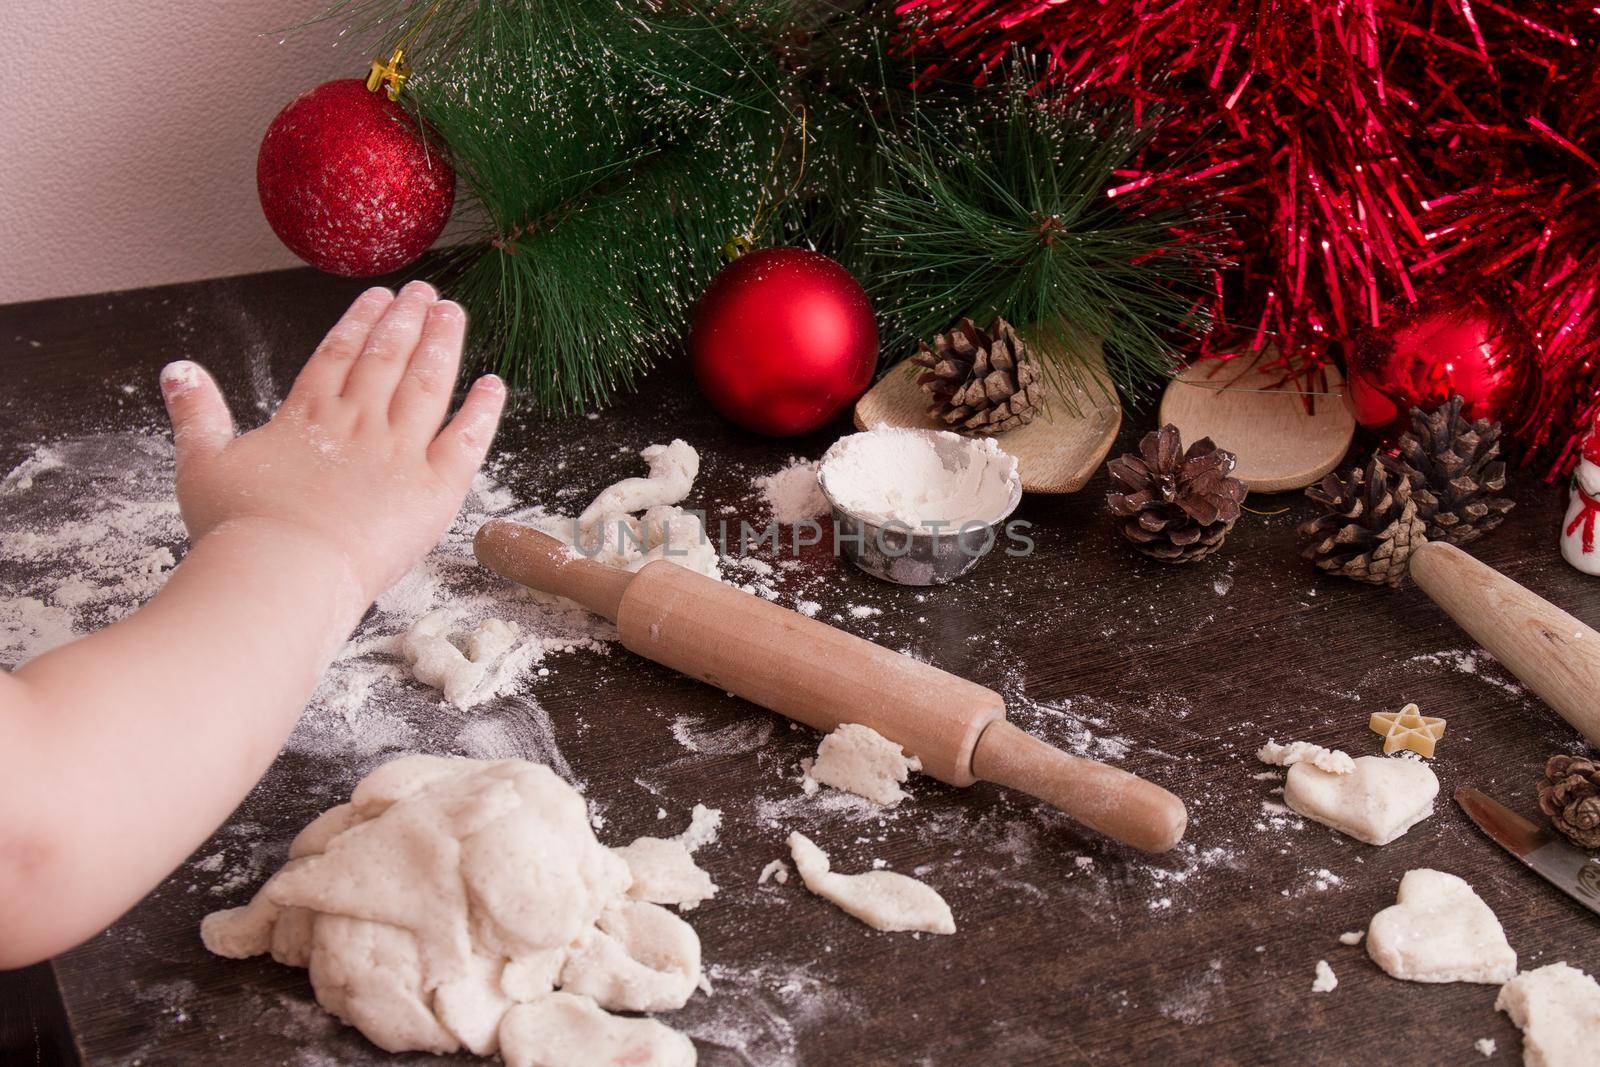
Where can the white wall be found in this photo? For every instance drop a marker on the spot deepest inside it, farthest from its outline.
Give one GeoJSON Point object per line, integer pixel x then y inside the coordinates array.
{"type": "Point", "coordinates": [128, 137]}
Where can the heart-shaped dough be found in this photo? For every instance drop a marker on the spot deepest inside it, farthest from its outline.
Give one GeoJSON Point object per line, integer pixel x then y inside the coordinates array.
{"type": "Point", "coordinates": [1439, 930]}
{"type": "Point", "coordinates": [1376, 803]}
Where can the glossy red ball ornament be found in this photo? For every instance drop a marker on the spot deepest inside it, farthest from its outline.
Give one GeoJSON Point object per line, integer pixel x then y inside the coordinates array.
{"type": "Point", "coordinates": [348, 182]}
{"type": "Point", "coordinates": [783, 340]}
{"type": "Point", "coordinates": [1420, 358]}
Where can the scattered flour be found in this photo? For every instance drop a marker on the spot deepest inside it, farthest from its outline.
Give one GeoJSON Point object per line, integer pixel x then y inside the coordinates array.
{"type": "Point", "coordinates": [88, 532]}
{"type": "Point", "coordinates": [1486, 1046]}
{"type": "Point", "coordinates": [736, 738]}
{"type": "Point", "coordinates": [792, 494]}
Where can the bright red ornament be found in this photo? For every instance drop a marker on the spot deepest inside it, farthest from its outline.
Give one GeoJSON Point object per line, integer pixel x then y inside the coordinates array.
{"type": "Point", "coordinates": [1420, 359]}
{"type": "Point", "coordinates": [348, 182]}
{"type": "Point", "coordinates": [783, 340]}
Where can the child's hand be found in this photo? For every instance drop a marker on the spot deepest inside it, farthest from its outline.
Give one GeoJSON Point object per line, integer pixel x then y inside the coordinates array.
{"type": "Point", "coordinates": [355, 457]}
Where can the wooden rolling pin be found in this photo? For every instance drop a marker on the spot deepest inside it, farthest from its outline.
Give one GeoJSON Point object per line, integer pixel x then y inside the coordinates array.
{"type": "Point", "coordinates": [1551, 652]}
{"type": "Point", "coordinates": [823, 677]}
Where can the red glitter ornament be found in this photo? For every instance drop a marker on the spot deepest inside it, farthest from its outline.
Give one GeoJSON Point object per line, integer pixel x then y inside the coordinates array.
{"type": "Point", "coordinates": [1422, 358]}
{"type": "Point", "coordinates": [348, 182]}
{"type": "Point", "coordinates": [783, 340]}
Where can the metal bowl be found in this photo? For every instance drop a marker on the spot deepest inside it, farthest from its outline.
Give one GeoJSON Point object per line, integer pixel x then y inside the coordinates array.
{"type": "Point", "coordinates": [917, 556]}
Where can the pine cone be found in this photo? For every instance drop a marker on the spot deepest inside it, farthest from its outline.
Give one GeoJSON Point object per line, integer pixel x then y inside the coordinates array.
{"type": "Point", "coordinates": [1175, 506]}
{"type": "Point", "coordinates": [1455, 470]}
{"type": "Point", "coordinates": [1368, 528]}
{"type": "Point", "coordinates": [1570, 795]}
{"type": "Point", "coordinates": [980, 382]}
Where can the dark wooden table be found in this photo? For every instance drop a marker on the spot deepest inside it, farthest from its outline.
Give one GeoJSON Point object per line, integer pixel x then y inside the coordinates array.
{"type": "Point", "coordinates": [1070, 949]}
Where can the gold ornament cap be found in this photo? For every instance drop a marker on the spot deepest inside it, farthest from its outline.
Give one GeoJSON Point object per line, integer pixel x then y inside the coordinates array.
{"type": "Point", "coordinates": [390, 75]}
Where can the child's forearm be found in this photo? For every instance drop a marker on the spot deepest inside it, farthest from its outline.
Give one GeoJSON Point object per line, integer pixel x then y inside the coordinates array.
{"type": "Point", "coordinates": [133, 745]}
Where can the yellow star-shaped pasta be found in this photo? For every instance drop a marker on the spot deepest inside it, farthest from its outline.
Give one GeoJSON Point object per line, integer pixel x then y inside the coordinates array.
{"type": "Point", "coordinates": [1407, 728]}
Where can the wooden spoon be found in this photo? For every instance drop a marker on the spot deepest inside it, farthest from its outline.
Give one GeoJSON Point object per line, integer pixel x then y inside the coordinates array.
{"type": "Point", "coordinates": [1260, 418]}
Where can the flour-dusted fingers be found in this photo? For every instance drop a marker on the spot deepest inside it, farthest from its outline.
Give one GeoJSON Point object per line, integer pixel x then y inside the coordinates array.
{"type": "Point", "coordinates": [458, 451]}
{"type": "Point", "coordinates": [387, 353]}
{"type": "Point", "coordinates": [201, 423]}
{"type": "Point", "coordinates": [423, 396]}
{"type": "Point", "coordinates": [325, 372]}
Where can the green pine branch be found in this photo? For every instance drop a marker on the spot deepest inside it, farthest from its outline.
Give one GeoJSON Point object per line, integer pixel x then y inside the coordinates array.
{"type": "Point", "coordinates": [607, 151]}
{"type": "Point", "coordinates": [998, 206]}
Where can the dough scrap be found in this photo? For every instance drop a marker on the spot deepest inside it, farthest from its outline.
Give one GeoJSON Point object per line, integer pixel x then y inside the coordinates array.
{"type": "Point", "coordinates": [1557, 1008]}
{"type": "Point", "coordinates": [1439, 930]}
{"type": "Point", "coordinates": [860, 760]}
{"type": "Point", "coordinates": [673, 469]}
{"type": "Point", "coordinates": [663, 868]}
{"type": "Point", "coordinates": [1325, 980]}
{"type": "Point", "coordinates": [447, 892]}
{"type": "Point", "coordinates": [563, 1030]}
{"type": "Point", "coordinates": [1332, 760]}
{"type": "Point", "coordinates": [435, 660]}
{"type": "Point", "coordinates": [1376, 802]}
{"type": "Point", "coordinates": [881, 899]}
{"type": "Point", "coordinates": [609, 530]}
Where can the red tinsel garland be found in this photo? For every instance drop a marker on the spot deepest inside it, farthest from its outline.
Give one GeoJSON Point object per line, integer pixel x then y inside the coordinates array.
{"type": "Point", "coordinates": [1371, 154]}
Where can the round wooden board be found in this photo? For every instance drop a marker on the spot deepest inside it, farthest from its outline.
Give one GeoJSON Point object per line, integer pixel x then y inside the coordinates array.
{"type": "Point", "coordinates": [1261, 420]}
{"type": "Point", "coordinates": [1058, 452]}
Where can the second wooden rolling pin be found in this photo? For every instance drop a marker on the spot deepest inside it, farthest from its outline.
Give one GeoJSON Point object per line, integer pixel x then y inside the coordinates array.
{"type": "Point", "coordinates": [1550, 651]}
{"type": "Point", "coordinates": [823, 677]}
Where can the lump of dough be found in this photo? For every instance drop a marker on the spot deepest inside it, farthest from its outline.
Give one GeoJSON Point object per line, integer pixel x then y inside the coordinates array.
{"type": "Point", "coordinates": [1439, 930]}
{"type": "Point", "coordinates": [1557, 1008]}
{"type": "Point", "coordinates": [370, 975]}
{"type": "Point", "coordinates": [640, 957]}
{"type": "Point", "coordinates": [562, 1030]}
{"type": "Point", "coordinates": [610, 532]}
{"type": "Point", "coordinates": [1332, 760]}
{"type": "Point", "coordinates": [679, 536]}
{"type": "Point", "coordinates": [860, 760]}
{"type": "Point", "coordinates": [1379, 800]}
{"type": "Point", "coordinates": [673, 469]}
{"type": "Point", "coordinates": [663, 868]}
{"type": "Point", "coordinates": [881, 899]}
{"type": "Point", "coordinates": [436, 661]}
{"type": "Point", "coordinates": [450, 890]}
{"type": "Point", "coordinates": [664, 872]}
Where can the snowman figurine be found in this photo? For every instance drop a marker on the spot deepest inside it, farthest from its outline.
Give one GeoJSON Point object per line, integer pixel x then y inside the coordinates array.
{"type": "Point", "coordinates": [1578, 533]}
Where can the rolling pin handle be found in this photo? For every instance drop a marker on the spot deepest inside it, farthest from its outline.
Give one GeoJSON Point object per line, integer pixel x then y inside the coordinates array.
{"type": "Point", "coordinates": [1108, 799]}
{"type": "Point", "coordinates": [535, 559]}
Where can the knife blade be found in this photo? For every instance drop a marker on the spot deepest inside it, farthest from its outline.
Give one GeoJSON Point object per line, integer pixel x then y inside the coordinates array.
{"type": "Point", "coordinates": [1569, 869]}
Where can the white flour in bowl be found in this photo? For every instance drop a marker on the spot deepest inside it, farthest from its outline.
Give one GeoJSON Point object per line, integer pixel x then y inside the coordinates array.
{"type": "Point", "coordinates": [927, 478]}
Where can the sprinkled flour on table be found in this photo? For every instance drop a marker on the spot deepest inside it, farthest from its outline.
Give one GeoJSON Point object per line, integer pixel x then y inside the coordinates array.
{"type": "Point", "coordinates": [792, 494]}
{"type": "Point", "coordinates": [90, 530]}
